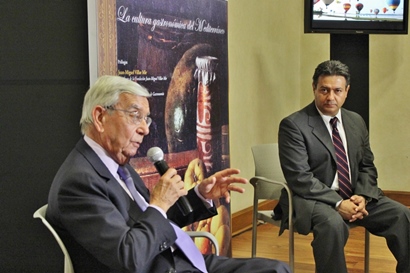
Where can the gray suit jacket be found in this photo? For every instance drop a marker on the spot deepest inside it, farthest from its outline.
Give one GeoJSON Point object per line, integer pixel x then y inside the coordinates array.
{"type": "Point", "coordinates": [102, 227]}
{"type": "Point", "coordinates": [308, 162]}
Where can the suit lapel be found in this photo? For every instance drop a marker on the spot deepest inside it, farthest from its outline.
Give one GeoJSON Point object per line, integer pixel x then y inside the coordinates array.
{"type": "Point", "coordinates": [103, 171]}
{"type": "Point", "coordinates": [94, 160]}
{"type": "Point", "coordinates": [319, 129]}
{"type": "Point", "coordinates": [134, 211]}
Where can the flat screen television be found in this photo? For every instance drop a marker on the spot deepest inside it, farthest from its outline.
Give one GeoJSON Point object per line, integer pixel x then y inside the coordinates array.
{"type": "Point", "coordinates": [356, 16]}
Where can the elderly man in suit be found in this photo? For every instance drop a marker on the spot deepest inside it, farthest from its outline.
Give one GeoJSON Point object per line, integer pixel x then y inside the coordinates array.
{"type": "Point", "coordinates": [111, 222]}
{"type": "Point", "coordinates": [337, 185]}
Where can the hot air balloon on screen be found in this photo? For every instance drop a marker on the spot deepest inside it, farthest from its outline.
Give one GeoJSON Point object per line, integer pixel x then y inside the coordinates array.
{"type": "Point", "coordinates": [385, 10]}
{"type": "Point", "coordinates": [346, 7]}
{"type": "Point", "coordinates": [327, 2]}
{"type": "Point", "coordinates": [376, 11]}
{"type": "Point", "coordinates": [359, 7]}
{"type": "Point", "coordinates": [393, 4]}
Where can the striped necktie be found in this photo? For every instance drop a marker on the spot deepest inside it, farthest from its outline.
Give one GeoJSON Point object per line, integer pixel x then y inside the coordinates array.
{"type": "Point", "coordinates": [184, 242]}
{"type": "Point", "coordinates": [345, 187]}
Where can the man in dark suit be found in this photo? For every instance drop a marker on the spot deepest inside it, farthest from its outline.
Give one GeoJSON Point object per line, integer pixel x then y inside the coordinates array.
{"type": "Point", "coordinates": [93, 206]}
{"type": "Point", "coordinates": [309, 164]}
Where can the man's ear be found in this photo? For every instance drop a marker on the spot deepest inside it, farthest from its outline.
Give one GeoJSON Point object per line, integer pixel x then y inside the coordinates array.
{"type": "Point", "coordinates": [98, 114]}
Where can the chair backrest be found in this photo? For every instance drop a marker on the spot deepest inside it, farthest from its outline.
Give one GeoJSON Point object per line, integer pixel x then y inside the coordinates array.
{"type": "Point", "coordinates": [41, 213]}
{"type": "Point", "coordinates": [267, 165]}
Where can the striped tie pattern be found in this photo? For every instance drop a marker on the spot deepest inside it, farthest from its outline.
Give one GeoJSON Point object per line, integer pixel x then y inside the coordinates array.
{"type": "Point", "coordinates": [345, 187]}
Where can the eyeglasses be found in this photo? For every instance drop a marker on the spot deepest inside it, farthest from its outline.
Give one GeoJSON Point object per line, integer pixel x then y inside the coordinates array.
{"type": "Point", "coordinates": [135, 116]}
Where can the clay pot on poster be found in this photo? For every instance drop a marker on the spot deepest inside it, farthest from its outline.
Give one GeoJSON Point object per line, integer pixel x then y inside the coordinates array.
{"type": "Point", "coordinates": [181, 102]}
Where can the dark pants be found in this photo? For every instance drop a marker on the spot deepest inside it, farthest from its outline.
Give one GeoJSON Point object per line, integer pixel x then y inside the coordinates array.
{"type": "Point", "coordinates": [221, 264]}
{"type": "Point", "coordinates": [387, 218]}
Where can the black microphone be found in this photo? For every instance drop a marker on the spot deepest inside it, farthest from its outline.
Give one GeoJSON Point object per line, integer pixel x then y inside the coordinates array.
{"type": "Point", "coordinates": [156, 156]}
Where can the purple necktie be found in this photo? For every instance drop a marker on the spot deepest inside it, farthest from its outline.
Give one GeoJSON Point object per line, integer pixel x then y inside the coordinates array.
{"type": "Point", "coordinates": [184, 242]}
{"type": "Point", "coordinates": [345, 187]}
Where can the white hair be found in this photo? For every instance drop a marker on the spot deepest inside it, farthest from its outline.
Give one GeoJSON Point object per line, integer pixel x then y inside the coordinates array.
{"type": "Point", "coordinates": [105, 92]}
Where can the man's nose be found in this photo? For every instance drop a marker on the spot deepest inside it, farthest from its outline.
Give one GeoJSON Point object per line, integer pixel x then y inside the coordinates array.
{"type": "Point", "coordinates": [331, 95]}
{"type": "Point", "coordinates": [143, 128]}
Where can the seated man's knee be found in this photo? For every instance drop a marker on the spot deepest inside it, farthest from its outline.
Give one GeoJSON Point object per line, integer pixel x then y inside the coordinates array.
{"type": "Point", "coordinates": [332, 225]}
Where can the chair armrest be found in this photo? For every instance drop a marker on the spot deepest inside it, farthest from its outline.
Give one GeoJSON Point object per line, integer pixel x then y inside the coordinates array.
{"type": "Point", "coordinates": [266, 188]}
{"type": "Point", "coordinates": [255, 179]}
{"type": "Point", "coordinates": [205, 234]}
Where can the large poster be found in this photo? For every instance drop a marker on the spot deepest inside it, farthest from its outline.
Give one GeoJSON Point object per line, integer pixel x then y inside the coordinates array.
{"type": "Point", "coordinates": [178, 51]}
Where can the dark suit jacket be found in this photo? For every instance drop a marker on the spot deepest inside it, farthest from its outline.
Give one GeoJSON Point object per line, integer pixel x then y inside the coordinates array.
{"type": "Point", "coordinates": [103, 228]}
{"type": "Point", "coordinates": [308, 161]}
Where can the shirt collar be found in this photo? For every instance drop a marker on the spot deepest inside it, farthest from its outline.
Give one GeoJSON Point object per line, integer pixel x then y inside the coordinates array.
{"type": "Point", "coordinates": [103, 155]}
{"type": "Point", "coordinates": [327, 118]}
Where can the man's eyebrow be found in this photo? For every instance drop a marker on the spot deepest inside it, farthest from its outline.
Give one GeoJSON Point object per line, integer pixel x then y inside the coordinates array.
{"type": "Point", "coordinates": [135, 106]}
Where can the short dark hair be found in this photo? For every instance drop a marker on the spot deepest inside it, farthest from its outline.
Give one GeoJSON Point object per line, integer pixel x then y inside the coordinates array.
{"type": "Point", "coordinates": [331, 68]}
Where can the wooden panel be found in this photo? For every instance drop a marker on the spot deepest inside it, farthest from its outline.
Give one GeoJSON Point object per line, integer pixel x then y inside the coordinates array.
{"type": "Point", "coordinates": [242, 220]}
{"type": "Point", "coordinates": [400, 196]}
{"type": "Point", "coordinates": [107, 38]}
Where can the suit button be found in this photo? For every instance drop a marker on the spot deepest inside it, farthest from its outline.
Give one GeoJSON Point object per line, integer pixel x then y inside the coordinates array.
{"type": "Point", "coordinates": [172, 270]}
{"type": "Point", "coordinates": [163, 246]}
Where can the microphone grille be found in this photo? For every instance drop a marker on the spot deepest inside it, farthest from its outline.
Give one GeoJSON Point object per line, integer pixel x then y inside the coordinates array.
{"type": "Point", "coordinates": [155, 154]}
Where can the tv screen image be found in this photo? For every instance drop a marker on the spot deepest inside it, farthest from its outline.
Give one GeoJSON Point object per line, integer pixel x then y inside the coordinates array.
{"type": "Point", "coordinates": [356, 16]}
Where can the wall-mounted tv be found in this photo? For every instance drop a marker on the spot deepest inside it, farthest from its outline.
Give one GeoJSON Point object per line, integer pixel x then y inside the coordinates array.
{"type": "Point", "coordinates": [356, 16]}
